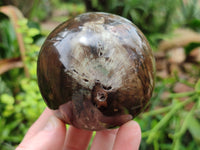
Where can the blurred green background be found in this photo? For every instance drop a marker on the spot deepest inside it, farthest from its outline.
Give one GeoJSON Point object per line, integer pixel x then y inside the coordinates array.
{"type": "Point", "coordinates": [173, 30]}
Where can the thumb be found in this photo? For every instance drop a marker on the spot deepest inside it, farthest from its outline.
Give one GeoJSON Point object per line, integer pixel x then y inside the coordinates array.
{"type": "Point", "coordinates": [50, 137]}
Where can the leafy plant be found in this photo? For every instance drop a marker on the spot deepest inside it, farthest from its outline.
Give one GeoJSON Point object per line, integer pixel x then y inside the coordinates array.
{"type": "Point", "coordinates": [190, 14]}
{"type": "Point", "coordinates": [8, 40]}
{"type": "Point", "coordinates": [40, 10]}
{"type": "Point", "coordinates": [153, 17]}
{"type": "Point", "coordinates": [169, 126]}
{"type": "Point", "coordinates": [20, 106]}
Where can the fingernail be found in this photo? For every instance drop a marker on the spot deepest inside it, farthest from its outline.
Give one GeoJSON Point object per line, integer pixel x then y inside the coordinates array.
{"type": "Point", "coordinates": [51, 124]}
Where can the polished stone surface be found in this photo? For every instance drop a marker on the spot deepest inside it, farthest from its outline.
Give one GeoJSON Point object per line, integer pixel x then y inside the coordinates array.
{"type": "Point", "coordinates": [96, 71]}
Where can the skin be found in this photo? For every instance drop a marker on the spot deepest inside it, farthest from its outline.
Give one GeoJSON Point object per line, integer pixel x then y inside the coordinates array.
{"type": "Point", "coordinates": [50, 133]}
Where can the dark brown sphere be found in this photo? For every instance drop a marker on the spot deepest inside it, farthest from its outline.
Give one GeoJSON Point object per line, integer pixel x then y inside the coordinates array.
{"type": "Point", "coordinates": [96, 71]}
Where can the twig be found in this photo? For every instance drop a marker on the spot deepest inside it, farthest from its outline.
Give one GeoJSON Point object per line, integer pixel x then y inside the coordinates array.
{"type": "Point", "coordinates": [14, 14]}
{"type": "Point", "coordinates": [8, 64]}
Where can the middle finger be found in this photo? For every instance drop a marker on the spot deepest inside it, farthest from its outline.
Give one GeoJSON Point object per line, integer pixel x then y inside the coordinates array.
{"type": "Point", "coordinates": [77, 139]}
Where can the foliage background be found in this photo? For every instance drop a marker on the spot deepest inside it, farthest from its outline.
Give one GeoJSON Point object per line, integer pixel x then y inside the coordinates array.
{"type": "Point", "coordinates": [172, 121]}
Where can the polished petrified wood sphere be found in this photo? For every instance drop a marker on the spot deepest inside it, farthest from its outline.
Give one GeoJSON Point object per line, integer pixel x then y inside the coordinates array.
{"type": "Point", "coordinates": [96, 71]}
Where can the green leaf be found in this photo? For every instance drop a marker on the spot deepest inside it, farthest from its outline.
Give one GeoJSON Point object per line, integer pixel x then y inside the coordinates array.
{"type": "Point", "coordinates": [194, 24]}
{"type": "Point", "coordinates": [7, 99]}
{"type": "Point", "coordinates": [33, 32]}
{"type": "Point", "coordinates": [95, 3]}
{"type": "Point", "coordinates": [28, 40]}
{"type": "Point", "coordinates": [22, 22]}
{"type": "Point", "coordinates": [194, 128]}
{"type": "Point", "coordinates": [191, 47]}
{"type": "Point", "coordinates": [197, 86]}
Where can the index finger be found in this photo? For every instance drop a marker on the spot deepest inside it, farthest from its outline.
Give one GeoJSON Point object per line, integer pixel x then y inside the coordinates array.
{"type": "Point", "coordinates": [38, 124]}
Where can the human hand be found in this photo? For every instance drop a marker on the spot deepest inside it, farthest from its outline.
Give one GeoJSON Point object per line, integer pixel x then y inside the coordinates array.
{"type": "Point", "coordinates": [50, 133]}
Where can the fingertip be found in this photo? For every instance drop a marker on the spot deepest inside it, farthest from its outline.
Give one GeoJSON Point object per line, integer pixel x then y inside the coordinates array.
{"type": "Point", "coordinates": [38, 124]}
{"type": "Point", "coordinates": [77, 138]}
{"type": "Point", "coordinates": [50, 137]}
{"type": "Point", "coordinates": [132, 126]}
{"type": "Point", "coordinates": [128, 136]}
{"type": "Point", "coordinates": [105, 136]}
{"type": "Point", "coordinates": [54, 131]}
